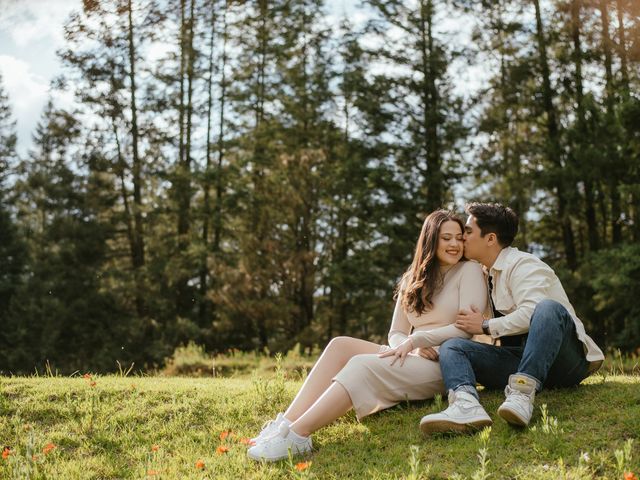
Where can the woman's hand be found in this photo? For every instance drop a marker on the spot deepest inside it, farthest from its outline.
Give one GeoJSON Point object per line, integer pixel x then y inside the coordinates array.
{"type": "Point", "coordinates": [429, 353]}
{"type": "Point", "coordinates": [400, 352]}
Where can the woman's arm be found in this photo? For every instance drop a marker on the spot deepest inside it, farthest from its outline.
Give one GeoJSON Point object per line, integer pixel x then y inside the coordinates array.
{"type": "Point", "coordinates": [400, 326]}
{"type": "Point", "coordinates": [437, 336]}
{"type": "Point", "coordinates": [472, 292]}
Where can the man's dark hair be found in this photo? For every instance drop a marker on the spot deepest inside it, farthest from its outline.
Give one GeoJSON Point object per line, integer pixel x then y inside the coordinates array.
{"type": "Point", "coordinates": [495, 218]}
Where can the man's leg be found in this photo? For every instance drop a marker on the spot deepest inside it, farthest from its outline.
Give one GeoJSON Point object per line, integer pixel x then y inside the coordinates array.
{"type": "Point", "coordinates": [552, 356]}
{"type": "Point", "coordinates": [462, 363]}
{"type": "Point", "coordinates": [465, 363]}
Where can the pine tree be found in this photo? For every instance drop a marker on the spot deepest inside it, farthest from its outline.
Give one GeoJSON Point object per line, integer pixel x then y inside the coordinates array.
{"type": "Point", "coordinates": [427, 115]}
{"type": "Point", "coordinates": [12, 248]}
{"type": "Point", "coordinates": [105, 72]}
{"type": "Point", "coordinates": [61, 214]}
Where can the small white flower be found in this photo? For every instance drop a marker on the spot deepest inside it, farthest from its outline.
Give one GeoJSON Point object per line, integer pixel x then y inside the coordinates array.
{"type": "Point", "coordinates": [584, 456]}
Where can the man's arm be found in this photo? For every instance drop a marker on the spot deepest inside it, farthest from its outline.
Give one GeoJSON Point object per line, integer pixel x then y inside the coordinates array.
{"type": "Point", "coordinates": [529, 281]}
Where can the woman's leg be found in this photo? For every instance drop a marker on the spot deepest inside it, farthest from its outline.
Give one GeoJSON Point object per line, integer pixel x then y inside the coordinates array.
{"type": "Point", "coordinates": [334, 357]}
{"type": "Point", "coordinates": [331, 405]}
{"type": "Point", "coordinates": [369, 384]}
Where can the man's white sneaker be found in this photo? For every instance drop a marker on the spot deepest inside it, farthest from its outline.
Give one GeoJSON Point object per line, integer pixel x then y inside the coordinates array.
{"type": "Point", "coordinates": [463, 414]}
{"type": "Point", "coordinates": [277, 446]}
{"type": "Point", "coordinates": [269, 428]}
{"type": "Point", "coordinates": [518, 407]}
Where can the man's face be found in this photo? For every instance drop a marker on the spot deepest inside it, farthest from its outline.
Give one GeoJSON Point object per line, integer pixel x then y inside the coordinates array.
{"type": "Point", "coordinates": [474, 243]}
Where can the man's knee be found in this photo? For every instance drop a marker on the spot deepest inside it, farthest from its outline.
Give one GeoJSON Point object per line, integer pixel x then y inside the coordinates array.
{"type": "Point", "coordinates": [550, 309]}
{"type": "Point", "coordinates": [454, 345]}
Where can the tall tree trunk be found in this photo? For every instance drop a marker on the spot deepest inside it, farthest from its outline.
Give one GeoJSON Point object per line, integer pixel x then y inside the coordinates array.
{"type": "Point", "coordinates": [181, 111]}
{"type": "Point", "coordinates": [121, 167]}
{"type": "Point", "coordinates": [217, 230]}
{"type": "Point", "coordinates": [205, 304]}
{"type": "Point", "coordinates": [634, 213]}
{"type": "Point", "coordinates": [306, 286]}
{"type": "Point", "coordinates": [553, 143]}
{"type": "Point", "coordinates": [590, 211]}
{"type": "Point", "coordinates": [183, 184]}
{"type": "Point", "coordinates": [138, 258]}
{"type": "Point", "coordinates": [434, 178]}
{"type": "Point", "coordinates": [511, 156]}
{"type": "Point", "coordinates": [622, 47]}
{"type": "Point", "coordinates": [612, 157]}
{"type": "Point", "coordinates": [342, 244]}
{"type": "Point", "coordinates": [259, 152]}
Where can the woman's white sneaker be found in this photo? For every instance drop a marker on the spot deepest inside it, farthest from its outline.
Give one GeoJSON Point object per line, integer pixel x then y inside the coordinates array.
{"type": "Point", "coordinates": [277, 446]}
{"type": "Point", "coordinates": [269, 428]}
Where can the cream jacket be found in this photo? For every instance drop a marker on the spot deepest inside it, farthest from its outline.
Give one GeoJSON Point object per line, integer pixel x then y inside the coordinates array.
{"type": "Point", "coordinates": [520, 281]}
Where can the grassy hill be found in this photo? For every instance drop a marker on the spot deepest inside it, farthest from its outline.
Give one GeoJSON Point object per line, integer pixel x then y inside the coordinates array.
{"type": "Point", "coordinates": [170, 428]}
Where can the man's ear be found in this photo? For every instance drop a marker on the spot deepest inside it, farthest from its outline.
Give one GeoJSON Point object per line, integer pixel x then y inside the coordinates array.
{"type": "Point", "coordinates": [492, 239]}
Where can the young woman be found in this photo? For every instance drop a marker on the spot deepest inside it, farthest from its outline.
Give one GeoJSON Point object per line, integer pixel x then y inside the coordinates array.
{"type": "Point", "coordinates": [354, 373]}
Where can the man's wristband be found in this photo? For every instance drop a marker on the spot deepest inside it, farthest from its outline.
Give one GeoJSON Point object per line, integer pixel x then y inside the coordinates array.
{"type": "Point", "coordinates": [485, 327]}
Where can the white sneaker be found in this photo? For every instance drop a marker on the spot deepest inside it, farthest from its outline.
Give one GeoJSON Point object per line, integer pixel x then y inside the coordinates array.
{"type": "Point", "coordinates": [518, 407]}
{"type": "Point", "coordinates": [463, 414]}
{"type": "Point", "coordinates": [269, 428]}
{"type": "Point", "coordinates": [277, 446]}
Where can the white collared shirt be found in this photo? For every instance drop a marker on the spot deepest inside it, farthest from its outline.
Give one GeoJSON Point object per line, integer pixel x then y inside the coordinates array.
{"type": "Point", "coordinates": [520, 281]}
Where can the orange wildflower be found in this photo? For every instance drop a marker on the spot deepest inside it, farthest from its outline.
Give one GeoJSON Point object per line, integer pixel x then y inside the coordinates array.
{"type": "Point", "coordinates": [87, 376]}
{"type": "Point", "coordinates": [303, 466]}
{"type": "Point", "coordinates": [155, 448]}
{"type": "Point", "coordinates": [222, 449]}
{"type": "Point", "coordinates": [34, 457]}
{"type": "Point", "coordinates": [200, 464]}
{"type": "Point", "coordinates": [225, 434]}
{"type": "Point", "coordinates": [92, 384]}
{"type": "Point", "coordinates": [153, 472]}
{"type": "Point", "coordinates": [6, 452]}
{"type": "Point", "coordinates": [48, 448]}
{"type": "Point", "coordinates": [246, 441]}
{"type": "Point", "coordinates": [630, 476]}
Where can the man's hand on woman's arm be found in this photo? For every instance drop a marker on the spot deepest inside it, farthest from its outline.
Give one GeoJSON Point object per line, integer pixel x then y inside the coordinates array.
{"type": "Point", "coordinates": [470, 321]}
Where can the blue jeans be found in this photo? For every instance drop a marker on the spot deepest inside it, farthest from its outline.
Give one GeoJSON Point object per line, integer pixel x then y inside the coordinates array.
{"type": "Point", "coordinates": [552, 355]}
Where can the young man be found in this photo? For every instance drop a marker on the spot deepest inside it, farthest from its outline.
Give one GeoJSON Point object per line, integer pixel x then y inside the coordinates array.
{"type": "Point", "coordinates": [542, 342]}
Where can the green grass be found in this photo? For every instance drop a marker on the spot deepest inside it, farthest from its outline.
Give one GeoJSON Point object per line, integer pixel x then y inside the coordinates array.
{"type": "Point", "coordinates": [107, 431]}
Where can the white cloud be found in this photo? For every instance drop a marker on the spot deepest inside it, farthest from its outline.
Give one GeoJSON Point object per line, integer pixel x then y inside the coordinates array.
{"type": "Point", "coordinates": [27, 21]}
{"type": "Point", "coordinates": [24, 86]}
{"type": "Point", "coordinates": [31, 31]}
{"type": "Point", "coordinates": [27, 95]}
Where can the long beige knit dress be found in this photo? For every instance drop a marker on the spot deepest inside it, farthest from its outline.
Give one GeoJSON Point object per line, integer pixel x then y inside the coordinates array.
{"type": "Point", "coordinates": [373, 384]}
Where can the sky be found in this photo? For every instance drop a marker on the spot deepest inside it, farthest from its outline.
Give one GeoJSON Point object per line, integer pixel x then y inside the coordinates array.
{"type": "Point", "coordinates": [30, 33]}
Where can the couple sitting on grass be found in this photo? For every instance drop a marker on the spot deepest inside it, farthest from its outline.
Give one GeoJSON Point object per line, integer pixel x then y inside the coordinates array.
{"type": "Point", "coordinates": [464, 280]}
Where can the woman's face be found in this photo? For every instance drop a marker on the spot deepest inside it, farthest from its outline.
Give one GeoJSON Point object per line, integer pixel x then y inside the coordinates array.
{"type": "Point", "coordinates": [450, 244]}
